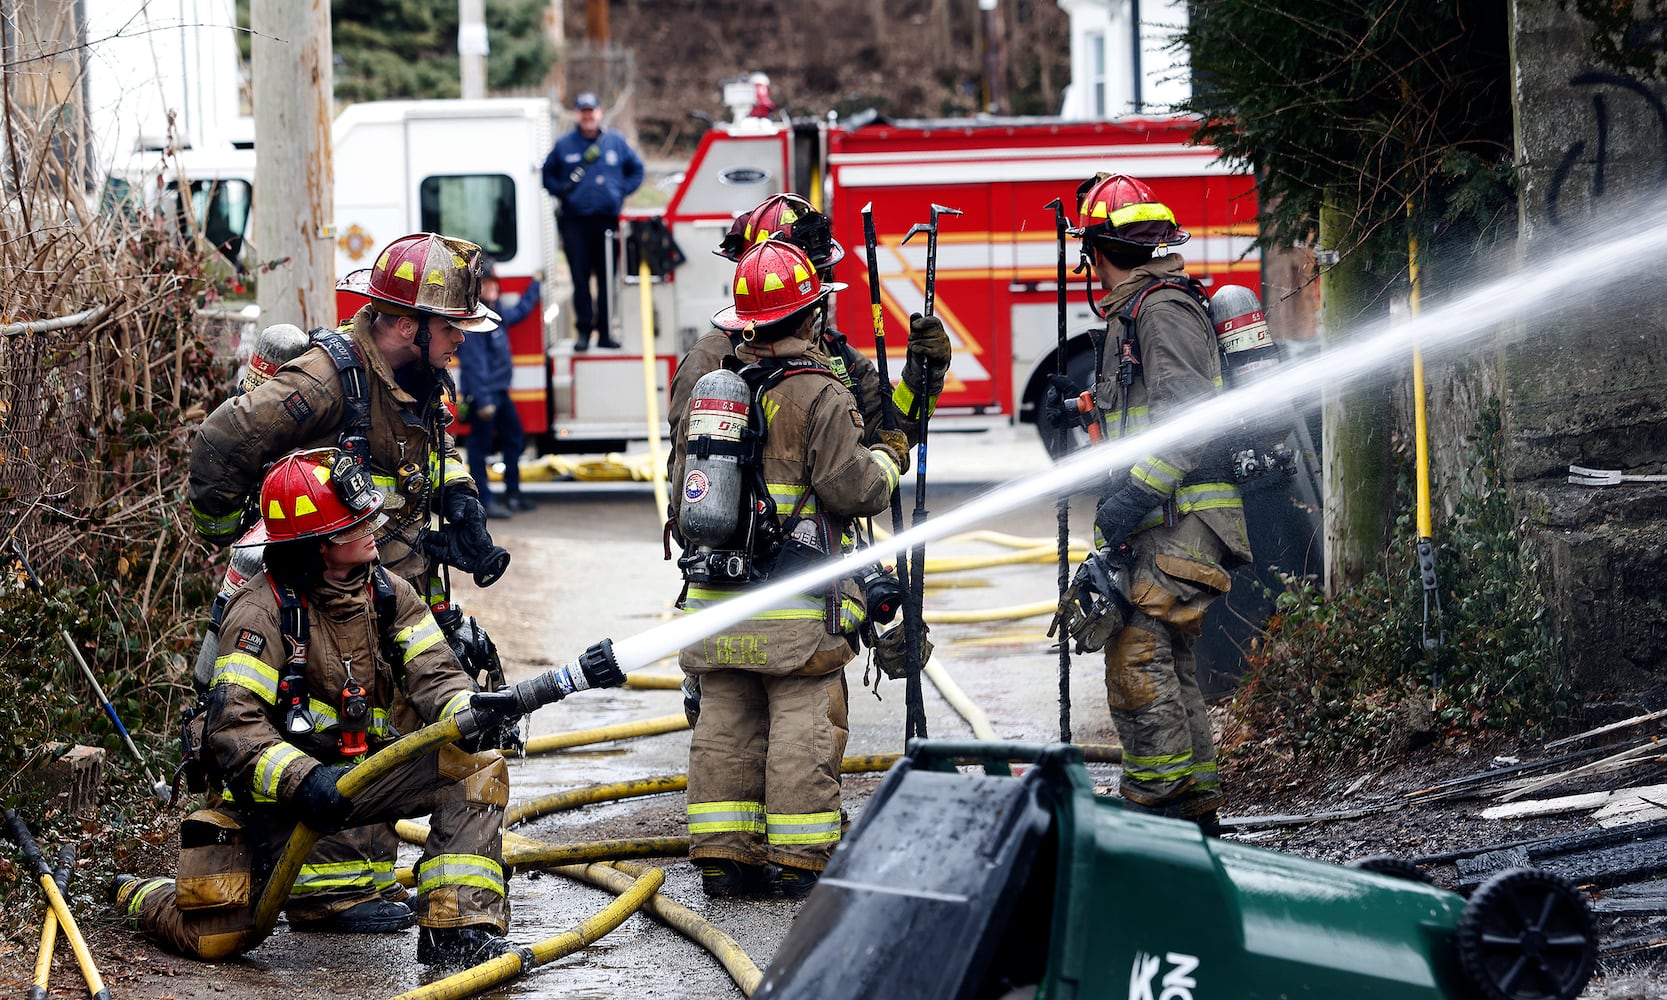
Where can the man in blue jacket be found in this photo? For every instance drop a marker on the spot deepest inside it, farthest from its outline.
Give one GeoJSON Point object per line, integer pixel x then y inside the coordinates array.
{"type": "Point", "coordinates": [486, 366]}
{"type": "Point", "coordinates": [590, 171]}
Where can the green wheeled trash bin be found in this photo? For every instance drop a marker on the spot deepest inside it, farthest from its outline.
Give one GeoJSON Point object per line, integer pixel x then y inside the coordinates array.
{"type": "Point", "coordinates": [954, 886]}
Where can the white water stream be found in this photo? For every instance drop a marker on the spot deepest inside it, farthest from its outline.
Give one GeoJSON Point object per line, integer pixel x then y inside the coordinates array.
{"type": "Point", "coordinates": [1489, 310]}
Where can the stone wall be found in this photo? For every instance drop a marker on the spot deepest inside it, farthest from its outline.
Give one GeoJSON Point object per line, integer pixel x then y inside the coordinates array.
{"type": "Point", "coordinates": [1590, 386]}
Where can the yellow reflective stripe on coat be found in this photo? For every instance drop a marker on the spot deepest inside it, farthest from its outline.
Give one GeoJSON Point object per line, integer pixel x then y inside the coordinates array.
{"type": "Point", "coordinates": [474, 870]}
{"type": "Point", "coordinates": [803, 828]}
{"type": "Point", "coordinates": [787, 495]}
{"type": "Point", "coordinates": [269, 767]}
{"type": "Point", "coordinates": [416, 639]}
{"type": "Point", "coordinates": [455, 704]}
{"type": "Point", "coordinates": [1158, 474]}
{"type": "Point", "coordinates": [1140, 422]}
{"type": "Point", "coordinates": [726, 817]}
{"type": "Point", "coordinates": [802, 607]}
{"type": "Point", "coordinates": [246, 672]}
{"type": "Point", "coordinates": [1165, 767]}
{"type": "Point", "coordinates": [903, 397]}
{"type": "Point", "coordinates": [215, 526]}
{"type": "Point", "coordinates": [1197, 497]}
{"type": "Point", "coordinates": [1204, 772]}
{"type": "Point", "coordinates": [888, 467]}
{"type": "Point", "coordinates": [342, 875]}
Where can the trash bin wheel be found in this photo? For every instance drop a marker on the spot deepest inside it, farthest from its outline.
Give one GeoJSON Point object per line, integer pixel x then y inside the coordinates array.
{"type": "Point", "coordinates": [1527, 934]}
{"type": "Point", "coordinates": [1389, 864]}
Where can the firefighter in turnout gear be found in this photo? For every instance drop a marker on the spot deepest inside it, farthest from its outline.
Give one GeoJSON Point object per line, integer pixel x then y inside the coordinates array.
{"type": "Point", "coordinates": [1172, 527]}
{"type": "Point", "coordinates": [376, 389]}
{"type": "Point", "coordinates": [789, 217]}
{"type": "Point", "coordinates": [316, 647]}
{"type": "Point", "coordinates": [764, 757]}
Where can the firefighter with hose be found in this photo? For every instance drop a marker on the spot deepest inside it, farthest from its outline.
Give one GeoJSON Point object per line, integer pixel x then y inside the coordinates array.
{"type": "Point", "coordinates": [790, 218]}
{"type": "Point", "coordinates": [315, 648]}
{"type": "Point", "coordinates": [375, 389]}
{"type": "Point", "coordinates": [1171, 528]}
{"type": "Point", "coordinates": [776, 468]}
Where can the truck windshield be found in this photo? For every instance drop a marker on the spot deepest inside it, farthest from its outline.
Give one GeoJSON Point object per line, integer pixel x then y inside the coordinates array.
{"type": "Point", "coordinates": [477, 207]}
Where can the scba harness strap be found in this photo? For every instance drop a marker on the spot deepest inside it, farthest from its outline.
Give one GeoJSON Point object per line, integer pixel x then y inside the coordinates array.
{"type": "Point", "coordinates": [295, 627]}
{"type": "Point", "coordinates": [759, 542]}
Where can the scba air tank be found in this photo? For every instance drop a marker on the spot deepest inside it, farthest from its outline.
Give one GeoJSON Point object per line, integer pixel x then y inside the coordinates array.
{"type": "Point", "coordinates": [246, 562]}
{"type": "Point", "coordinates": [1248, 353]}
{"type": "Point", "coordinates": [276, 344]}
{"type": "Point", "coordinates": [712, 471]}
{"type": "Point", "coordinates": [1247, 349]}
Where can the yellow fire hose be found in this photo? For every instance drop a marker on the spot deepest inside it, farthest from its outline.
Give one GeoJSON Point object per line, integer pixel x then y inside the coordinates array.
{"type": "Point", "coordinates": [653, 682]}
{"type": "Point", "coordinates": [1014, 612]}
{"type": "Point", "coordinates": [680, 918]}
{"type": "Point", "coordinates": [511, 964]}
{"type": "Point", "coordinates": [606, 734]}
{"type": "Point", "coordinates": [385, 761]}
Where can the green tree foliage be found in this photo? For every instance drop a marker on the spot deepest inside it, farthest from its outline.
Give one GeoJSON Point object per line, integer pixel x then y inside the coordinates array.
{"type": "Point", "coordinates": [392, 49]}
{"type": "Point", "coordinates": [1381, 103]}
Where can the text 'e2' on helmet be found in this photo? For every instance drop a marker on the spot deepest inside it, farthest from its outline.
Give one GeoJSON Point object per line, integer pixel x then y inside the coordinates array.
{"type": "Point", "coordinates": [299, 499]}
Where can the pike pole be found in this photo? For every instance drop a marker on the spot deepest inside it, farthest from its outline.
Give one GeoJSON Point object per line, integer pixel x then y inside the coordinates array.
{"type": "Point", "coordinates": [1063, 504]}
{"type": "Point", "coordinates": [916, 705]}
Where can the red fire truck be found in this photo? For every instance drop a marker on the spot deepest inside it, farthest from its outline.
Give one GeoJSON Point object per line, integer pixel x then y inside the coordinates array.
{"type": "Point", "coordinates": [478, 177]}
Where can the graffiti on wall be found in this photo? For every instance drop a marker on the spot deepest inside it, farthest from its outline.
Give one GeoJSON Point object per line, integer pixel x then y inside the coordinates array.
{"type": "Point", "coordinates": [1604, 88]}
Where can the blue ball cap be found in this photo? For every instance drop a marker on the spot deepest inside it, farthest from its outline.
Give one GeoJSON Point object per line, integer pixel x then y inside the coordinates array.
{"type": "Point", "coordinates": [586, 101]}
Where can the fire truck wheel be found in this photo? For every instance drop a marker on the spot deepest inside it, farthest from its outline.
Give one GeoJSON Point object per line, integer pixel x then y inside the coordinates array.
{"type": "Point", "coordinates": [1389, 864]}
{"type": "Point", "coordinates": [1527, 934]}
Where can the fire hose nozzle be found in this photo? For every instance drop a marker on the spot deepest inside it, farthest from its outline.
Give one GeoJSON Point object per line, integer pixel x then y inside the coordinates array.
{"type": "Point", "coordinates": [595, 667]}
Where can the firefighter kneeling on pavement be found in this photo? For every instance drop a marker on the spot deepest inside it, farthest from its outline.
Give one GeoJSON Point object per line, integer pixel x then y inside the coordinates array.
{"type": "Point", "coordinates": [764, 758]}
{"type": "Point", "coordinates": [1169, 529]}
{"type": "Point", "coordinates": [279, 730]}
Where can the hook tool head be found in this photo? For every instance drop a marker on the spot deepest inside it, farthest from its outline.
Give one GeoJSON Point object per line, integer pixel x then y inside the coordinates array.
{"type": "Point", "coordinates": [919, 227]}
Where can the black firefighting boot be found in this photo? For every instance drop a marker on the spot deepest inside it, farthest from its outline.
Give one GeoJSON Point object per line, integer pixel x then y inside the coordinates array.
{"type": "Point", "coordinates": [460, 947]}
{"type": "Point", "coordinates": [796, 883]}
{"type": "Point", "coordinates": [723, 878]}
{"type": "Point", "coordinates": [373, 916]}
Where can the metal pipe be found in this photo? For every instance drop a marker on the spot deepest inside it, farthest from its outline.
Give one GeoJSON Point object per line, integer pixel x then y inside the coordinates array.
{"type": "Point", "coordinates": [81, 318]}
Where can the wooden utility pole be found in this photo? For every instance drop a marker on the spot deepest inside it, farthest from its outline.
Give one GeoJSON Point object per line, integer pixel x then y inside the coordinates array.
{"type": "Point", "coordinates": [596, 23]}
{"type": "Point", "coordinates": [294, 229]}
{"type": "Point", "coordinates": [472, 46]}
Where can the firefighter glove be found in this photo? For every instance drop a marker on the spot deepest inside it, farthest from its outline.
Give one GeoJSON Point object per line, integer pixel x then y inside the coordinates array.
{"type": "Point", "coordinates": [928, 339]}
{"type": "Point", "coordinates": [465, 542]}
{"type": "Point", "coordinates": [470, 549]}
{"type": "Point", "coordinates": [1121, 512]}
{"type": "Point", "coordinates": [691, 699]}
{"type": "Point", "coordinates": [928, 357]}
{"type": "Point", "coordinates": [1060, 407]}
{"type": "Point", "coordinates": [318, 803]}
{"type": "Point", "coordinates": [894, 444]}
{"type": "Point", "coordinates": [891, 652]}
{"type": "Point", "coordinates": [497, 722]}
{"type": "Point", "coordinates": [1095, 607]}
